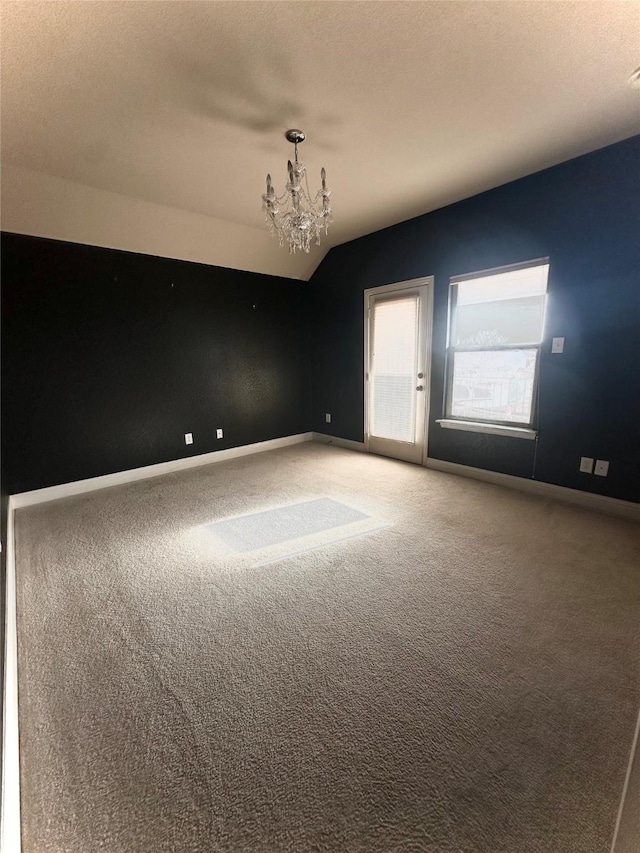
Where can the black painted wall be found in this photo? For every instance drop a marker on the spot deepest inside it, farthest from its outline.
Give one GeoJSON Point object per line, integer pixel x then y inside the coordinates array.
{"type": "Point", "coordinates": [583, 214]}
{"type": "Point", "coordinates": [110, 357]}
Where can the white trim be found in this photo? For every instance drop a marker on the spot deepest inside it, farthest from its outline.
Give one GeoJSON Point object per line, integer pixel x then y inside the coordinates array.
{"type": "Point", "coordinates": [347, 443]}
{"type": "Point", "coordinates": [410, 284]}
{"type": "Point", "coordinates": [10, 803]}
{"type": "Point", "coordinates": [587, 500]}
{"type": "Point", "coordinates": [452, 349]}
{"type": "Point", "coordinates": [632, 756]}
{"type": "Point", "coordinates": [491, 429]}
{"type": "Point", "coordinates": [523, 265]}
{"type": "Point", "coordinates": [427, 364]}
{"type": "Point", "coordinates": [65, 490]}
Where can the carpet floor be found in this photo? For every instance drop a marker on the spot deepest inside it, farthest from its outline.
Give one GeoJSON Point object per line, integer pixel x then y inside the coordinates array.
{"type": "Point", "coordinates": [458, 674]}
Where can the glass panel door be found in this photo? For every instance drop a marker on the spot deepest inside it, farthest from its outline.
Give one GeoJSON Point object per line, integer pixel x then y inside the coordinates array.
{"type": "Point", "coordinates": [394, 368]}
{"type": "Point", "coordinates": [397, 387]}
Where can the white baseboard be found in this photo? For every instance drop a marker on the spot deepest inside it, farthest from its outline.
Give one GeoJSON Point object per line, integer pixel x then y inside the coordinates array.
{"type": "Point", "coordinates": [587, 500]}
{"type": "Point", "coordinates": [339, 442]}
{"type": "Point", "coordinates": [10, 802]}
{"type": "Point", "coordinates": [634, 755]}
{"type": "Point", "coordinates": [10, 841]}
{"type": "Point", "coordinates": [65, 490]}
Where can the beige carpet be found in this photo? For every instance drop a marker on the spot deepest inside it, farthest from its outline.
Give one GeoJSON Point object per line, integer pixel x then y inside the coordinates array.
{"type": "Point", "coordinates": [463, 681]}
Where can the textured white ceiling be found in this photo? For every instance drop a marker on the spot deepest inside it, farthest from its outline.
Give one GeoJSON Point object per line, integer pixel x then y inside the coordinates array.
{"type": "Point", "coordinates": [409, 105]}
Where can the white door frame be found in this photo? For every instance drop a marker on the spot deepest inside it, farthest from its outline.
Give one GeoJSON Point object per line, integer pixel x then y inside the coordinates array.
{"type": "Point", "coordinates": [411, 284]}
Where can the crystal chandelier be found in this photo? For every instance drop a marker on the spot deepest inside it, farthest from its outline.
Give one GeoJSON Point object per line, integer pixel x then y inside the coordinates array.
{"type": "Point", "coordinates": [294, 216]}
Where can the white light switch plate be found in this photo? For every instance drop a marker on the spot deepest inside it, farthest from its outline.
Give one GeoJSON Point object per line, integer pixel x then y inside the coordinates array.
{"type": "Point", "coordinates": [188, 438]}
{"type": "Point", "coordinates": [218, 433]}
{"type": "Point", "coordinates": [602, 468]}
{"type": "Point", "coordinates": [327, 418]}
{"type": "Point", "coordinates": [557, 345]}
{"type": "Point", "coordinates": [586, 464]}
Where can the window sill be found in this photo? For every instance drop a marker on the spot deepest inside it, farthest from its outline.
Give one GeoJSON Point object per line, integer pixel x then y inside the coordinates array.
{"type": "Point", "coordinates": [491, 429]}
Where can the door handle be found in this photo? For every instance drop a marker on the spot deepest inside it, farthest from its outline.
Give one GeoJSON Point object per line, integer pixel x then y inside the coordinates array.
{"type": "Point", "coordinates": [420, 388]}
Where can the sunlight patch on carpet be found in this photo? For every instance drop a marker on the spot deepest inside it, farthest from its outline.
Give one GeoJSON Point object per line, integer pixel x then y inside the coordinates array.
{"type": "Point", "coordinates": [258, 530]}
{"type": "Point", "coordinates": [331, 540]}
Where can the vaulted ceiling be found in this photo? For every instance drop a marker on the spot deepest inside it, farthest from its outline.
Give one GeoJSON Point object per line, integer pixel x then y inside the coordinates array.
{"type": "Point", "coordinates": [150, 126]}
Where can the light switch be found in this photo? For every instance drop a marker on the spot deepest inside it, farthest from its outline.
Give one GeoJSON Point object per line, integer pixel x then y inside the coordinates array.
{"type": "Point", "coordinates": [557, 345]}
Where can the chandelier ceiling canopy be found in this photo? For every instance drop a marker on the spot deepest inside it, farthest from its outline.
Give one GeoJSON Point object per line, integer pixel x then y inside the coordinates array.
{"type": "Point", "coordinates": [296, 217]}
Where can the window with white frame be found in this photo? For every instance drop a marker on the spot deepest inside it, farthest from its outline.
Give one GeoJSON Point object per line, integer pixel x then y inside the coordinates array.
{"type": "Point", "coordinates": [496, 322]}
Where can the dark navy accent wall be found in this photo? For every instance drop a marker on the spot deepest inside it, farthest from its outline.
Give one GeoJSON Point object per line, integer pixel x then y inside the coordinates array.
{"type": "Point", "coordinates": [109, 357]}
{"type": "Point", "coordinates": [585, 215]}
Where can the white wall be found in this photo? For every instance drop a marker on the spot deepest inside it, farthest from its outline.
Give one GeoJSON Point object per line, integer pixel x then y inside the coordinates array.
{"type": "Point", "coordinates": [45, 206]}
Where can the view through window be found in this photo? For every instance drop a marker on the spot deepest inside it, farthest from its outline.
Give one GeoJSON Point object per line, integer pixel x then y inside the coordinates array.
{"type": "Point", "coordinates": [495, 333]}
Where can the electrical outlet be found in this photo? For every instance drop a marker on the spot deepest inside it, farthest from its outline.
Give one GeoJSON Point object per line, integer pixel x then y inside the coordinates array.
{"type": "Point", "coordinates": [602, 468]}
{"type": "Point", "coordinates": [188, 438]}
{"type": "Point", "coordinates": [327, 418]}
{"type": "Point", "coordinates": [586, 464]}
{"type": "Point", "coordinates": [557, 345]}
{"type": "Point", "coordinates": [218, 433]}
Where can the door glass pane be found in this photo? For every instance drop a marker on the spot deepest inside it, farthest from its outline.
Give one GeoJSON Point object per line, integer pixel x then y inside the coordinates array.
{"type": "Point", "coordinates": [494, 385]}
{"type": "Point", "coordinates": [394, 365]}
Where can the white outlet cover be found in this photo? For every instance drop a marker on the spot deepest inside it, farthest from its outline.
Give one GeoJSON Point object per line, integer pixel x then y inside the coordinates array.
{"type": "Point", "coordinates": [586, 464]}
{"type": "Point", "coordinates": [557, 345]}
{"type": "Point", "coordinates": [188, 438]}
{"type": "Point", "coordinates": [602, 468]}
{"type": "Point", "coordinates": [327, 418]}
{"type": "Point", "coordinates": [219, 433]}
